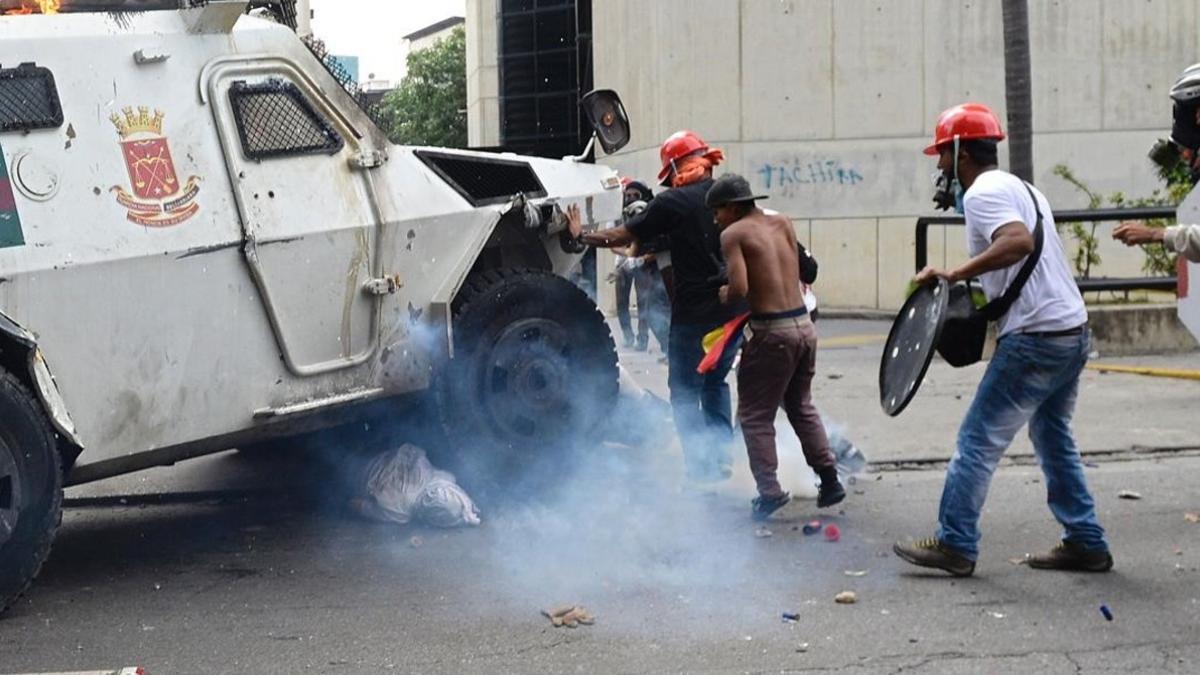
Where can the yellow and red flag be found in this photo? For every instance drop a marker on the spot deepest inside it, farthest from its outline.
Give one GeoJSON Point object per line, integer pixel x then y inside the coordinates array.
{"type": "Point", "coordinates": [721, 341]}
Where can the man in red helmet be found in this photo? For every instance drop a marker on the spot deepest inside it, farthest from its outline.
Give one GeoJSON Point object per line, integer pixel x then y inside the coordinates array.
{"type": "Point", "coordinates": [1033, 376]}
{"type": "Point", "coordinates": [700, 402]}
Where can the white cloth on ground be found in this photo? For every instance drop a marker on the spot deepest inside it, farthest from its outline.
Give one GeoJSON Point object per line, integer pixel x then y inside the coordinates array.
{"type": "Point", "coordinates": [401, 485]}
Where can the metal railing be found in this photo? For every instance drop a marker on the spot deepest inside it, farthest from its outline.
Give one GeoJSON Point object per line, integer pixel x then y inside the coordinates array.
{"type": "Point", "coordinates": [1077, 216]}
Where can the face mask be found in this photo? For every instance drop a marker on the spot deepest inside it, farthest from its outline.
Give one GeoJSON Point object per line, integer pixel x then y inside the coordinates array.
{"type": "Point", "coordinates": [944, 193]}
{"type": "Point", "coordinates": [948, 191]}
{"type": "Point", "coordinates": [1168, 156]}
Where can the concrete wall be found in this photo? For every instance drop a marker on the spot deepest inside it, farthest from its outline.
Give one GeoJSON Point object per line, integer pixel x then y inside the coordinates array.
{"type": "Point", "coordinates": [826, 105]}
{"type": "Point", "coordinates": [483, 84]}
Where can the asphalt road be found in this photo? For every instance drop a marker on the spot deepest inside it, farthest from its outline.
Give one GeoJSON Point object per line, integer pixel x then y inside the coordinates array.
{"type": "Point", "coordinates": [230, 564]}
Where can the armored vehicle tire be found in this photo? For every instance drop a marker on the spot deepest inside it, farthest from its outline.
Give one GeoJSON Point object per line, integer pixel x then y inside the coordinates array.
{"type": "Point", "coordinates": [534, 372]}
{"type": "Point", "coordinates": [30, 488]}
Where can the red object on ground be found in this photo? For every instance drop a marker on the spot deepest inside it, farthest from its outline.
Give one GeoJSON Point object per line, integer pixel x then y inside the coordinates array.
{"type": "Point", "coordinates": [832, 533]}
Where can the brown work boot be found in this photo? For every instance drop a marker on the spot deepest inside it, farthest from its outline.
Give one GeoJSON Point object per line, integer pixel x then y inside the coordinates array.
{"type": "Point", "coordinates": [1073, 557]}
{"type": "Point", "coordinates": [933, 553]}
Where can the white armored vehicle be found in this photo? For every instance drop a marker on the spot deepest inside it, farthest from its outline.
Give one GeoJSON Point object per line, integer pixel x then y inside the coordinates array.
{"type": "Point", "coordinates": [205, 242]}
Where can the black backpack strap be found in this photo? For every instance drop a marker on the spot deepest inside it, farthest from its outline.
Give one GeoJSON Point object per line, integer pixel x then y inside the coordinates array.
{"type": "Point", "coordinates": [808, 264]}
{"type": "Point", "coordinates": [1000, 306]}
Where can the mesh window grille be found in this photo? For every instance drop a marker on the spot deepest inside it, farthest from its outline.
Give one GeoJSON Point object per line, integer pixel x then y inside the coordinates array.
{"type": "Point", "coordinates": [481, 180]}
{"type": "Point", "coordinates": [275, 120]}
{"type": "Point", "coordinates": [28, 99]}
{"type": "Point", "coordinates": [346, 80]}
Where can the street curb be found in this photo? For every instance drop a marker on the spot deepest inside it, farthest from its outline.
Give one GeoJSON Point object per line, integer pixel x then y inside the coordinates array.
{"type": "Point", "coordinates": [1131, 454]}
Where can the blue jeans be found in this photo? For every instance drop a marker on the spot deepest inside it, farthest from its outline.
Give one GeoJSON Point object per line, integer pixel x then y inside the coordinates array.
{"type": "Point", "coordinates": [700, 404]}
{"type": "Point", "coordinates": [1029, 379]}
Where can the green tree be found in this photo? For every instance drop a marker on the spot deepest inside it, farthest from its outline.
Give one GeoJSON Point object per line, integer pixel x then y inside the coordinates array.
{"type": "Point", "coordinates": [429, 107]}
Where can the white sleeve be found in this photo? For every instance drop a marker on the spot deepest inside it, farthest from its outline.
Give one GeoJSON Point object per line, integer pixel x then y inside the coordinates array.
{"type": "Point", "coordinates": [1183, 239]}
{"type": "Point", "coordinates": [990, 210]}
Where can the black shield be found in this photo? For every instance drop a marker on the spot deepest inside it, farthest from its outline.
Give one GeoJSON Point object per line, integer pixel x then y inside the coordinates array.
{"type": "Point", "coordinates": [910, 346]}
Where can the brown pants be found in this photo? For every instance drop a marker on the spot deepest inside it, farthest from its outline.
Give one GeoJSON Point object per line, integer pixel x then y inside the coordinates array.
{"type": "Point", "coordinates": [778, 363]}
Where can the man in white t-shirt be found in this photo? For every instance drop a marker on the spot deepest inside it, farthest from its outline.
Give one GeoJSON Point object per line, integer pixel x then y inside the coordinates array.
{"type": "Point", "coordinates": [1033, 376]}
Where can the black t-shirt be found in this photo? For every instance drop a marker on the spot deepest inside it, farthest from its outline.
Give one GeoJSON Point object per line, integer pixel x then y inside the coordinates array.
{"type": "Point", "coordinates": [696, 259]}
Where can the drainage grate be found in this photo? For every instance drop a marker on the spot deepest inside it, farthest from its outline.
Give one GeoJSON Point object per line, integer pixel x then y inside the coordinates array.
{"type": "Point", "coordinates": [484, 181]}
{"type": "Point", "coordinates": [275, 120]}
{"type": "Point", "coordinates": [28, 99]}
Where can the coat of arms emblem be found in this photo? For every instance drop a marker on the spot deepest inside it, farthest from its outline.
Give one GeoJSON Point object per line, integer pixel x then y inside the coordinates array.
{"type": "Point", "coordinates": [158, 200]}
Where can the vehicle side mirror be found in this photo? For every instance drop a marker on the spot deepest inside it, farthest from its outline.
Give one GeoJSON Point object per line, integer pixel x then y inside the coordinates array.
{"type": "Point", "coordinates": [607, 116]}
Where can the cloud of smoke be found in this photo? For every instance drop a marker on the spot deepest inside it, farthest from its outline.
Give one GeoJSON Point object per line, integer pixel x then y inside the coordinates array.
{"type": "Point", "coordinates": [621, 518]}
{"type": "Point", "coordinates": [615, 513]}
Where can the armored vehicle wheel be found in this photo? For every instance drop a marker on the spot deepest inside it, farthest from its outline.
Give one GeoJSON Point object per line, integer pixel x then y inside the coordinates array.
{"type": "Point", "coordinates": [30, 489]}
{"type": "Point", "coordinates": [534, 372]}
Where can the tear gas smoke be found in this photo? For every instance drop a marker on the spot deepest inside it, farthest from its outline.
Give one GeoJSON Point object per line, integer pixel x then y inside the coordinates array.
{"type": "Point", "coordinates": [613, 513]}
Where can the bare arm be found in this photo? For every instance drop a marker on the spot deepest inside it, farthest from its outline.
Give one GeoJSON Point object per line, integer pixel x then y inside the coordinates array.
{"type": "Point", "coordinates": [618, 236]}
{"type": "Point", "coordinates": [1182, 239]}
{"type": "Point", "coordinates": [1132, 233]}
{"type": "Point", "coordinates": [1010, 243]}
{"type": "Point", "coordinates": [629, 251]}
{"type": "Point", "coordinates": [735, 267]}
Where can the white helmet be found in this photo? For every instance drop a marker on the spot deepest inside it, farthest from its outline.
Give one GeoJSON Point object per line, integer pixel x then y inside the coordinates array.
{"type": "Point", "coordinates": [1187, 87]}
{"type": "Point", "coordinates": [1185, 127]}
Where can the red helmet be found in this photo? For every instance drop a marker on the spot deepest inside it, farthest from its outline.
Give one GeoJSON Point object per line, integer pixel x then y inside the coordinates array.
{"type": "Point", "coordinates": [965, 121]}
{"type": "Point", "coordinates": [677, 146]}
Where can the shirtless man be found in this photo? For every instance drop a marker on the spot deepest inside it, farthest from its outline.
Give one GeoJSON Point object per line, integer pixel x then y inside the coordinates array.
{"type": "Point", "coordinates": [779, 356]}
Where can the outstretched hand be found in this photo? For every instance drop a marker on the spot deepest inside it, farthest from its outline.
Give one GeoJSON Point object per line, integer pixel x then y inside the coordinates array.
{"type": "Point", "coordinates": [1133, 233]}
{"type": "Point", "coordinates": [574, 221]}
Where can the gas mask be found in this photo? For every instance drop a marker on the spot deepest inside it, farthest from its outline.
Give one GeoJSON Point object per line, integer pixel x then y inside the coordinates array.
{"type": "Point", "coordinates": [634, 208]}
{"type": "Point", "coordinates": [1167, 155]}
{"type": "Point", "coordinates": [945, 188]}
{"type": "Point", "coordinates": [948, 190]}
{"type": "Point", "coordinates": [1184, 141]}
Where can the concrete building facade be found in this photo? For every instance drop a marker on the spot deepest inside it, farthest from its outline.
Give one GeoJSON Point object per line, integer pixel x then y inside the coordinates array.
{"type": "Point", "coordinates": [483, 75]}
{"type": "Point", "coordinates": [825, 105]}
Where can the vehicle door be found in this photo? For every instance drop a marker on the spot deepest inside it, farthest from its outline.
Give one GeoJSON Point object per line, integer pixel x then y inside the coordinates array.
{"type": "Point", "coordinates": [307, 209]}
